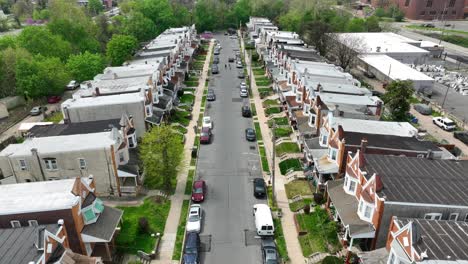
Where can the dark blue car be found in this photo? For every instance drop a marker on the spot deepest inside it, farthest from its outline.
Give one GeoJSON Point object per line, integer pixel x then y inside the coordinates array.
{"type": "Point", "coordinates": [192, 246]}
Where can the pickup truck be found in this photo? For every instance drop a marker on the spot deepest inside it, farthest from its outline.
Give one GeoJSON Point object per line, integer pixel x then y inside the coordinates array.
{"type": "Point", "coordinates": [444, 123]}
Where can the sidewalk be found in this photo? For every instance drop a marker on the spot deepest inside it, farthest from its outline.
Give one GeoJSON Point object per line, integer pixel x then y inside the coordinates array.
{"type": "Point", "coordinates": [287, 221]}
{"type": "Point", "coordinates": [172, 222]}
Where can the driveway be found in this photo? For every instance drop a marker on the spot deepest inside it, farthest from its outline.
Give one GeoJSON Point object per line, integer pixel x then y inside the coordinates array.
{"type": "Point", "coordinates": [228, 165]}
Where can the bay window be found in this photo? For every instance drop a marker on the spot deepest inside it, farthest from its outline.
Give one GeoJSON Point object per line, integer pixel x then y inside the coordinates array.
{"type": "Point", "coordinates": [365, 210]}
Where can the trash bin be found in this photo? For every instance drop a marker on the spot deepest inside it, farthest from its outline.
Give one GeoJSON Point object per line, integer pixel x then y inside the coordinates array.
{"type": "Point", "coordinates": [194, 152]}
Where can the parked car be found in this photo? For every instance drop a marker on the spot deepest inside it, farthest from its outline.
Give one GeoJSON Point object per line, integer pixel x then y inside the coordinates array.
{"type": "Point", "coordinates": [216, 60]}
{"type": "Point", "coordinates": [207, 122]}
{"type": "Point", "coordinates": [269, 252]}
{"type": "Point", "coordinates": [53, 99]}
{"type": "Point", "coordinates": [37, 110]}
{"type": "Point", "coordinates": [231, 59]}
{"type": "Point", "coordinates": [462, 136]}
{"type": "Point", "coordinates": [444, 123]}
{"type": "Point", "coordinates": [244, 93]}
{"type": "Point", "coordinates": [72, 85]}
{"type": "Point", "coordinates": [250, 134]}
{"type": "Point", "coordinates": [245, 109]}
{"type": "Point", "coordinates": [243, 85]}
{"type": "Point", "coordinates": [194, 218]}
{"type": "Point", "coordinates": [240, 74]}
{"type": "Point", "coordinates": [191, 249]}
{"type": "Point", "coordinates": [423, 109]}
{"type": "Point", "coordinates": [239, 64]}
{"type": "Point", "coordinates": [216, 51]}
{"type": "Point", "coordinates": [205, 135]}
{"type": "Point", "coordinates": [211, 96]}
{"type": "Point", "coordinates": [219, 46]}
{"type": "Point", "coordinates": [214, 69]}
{"type": "Point", "coordinates": [199, 191]}
{"type": "Point", "coordinates": [259, 188]}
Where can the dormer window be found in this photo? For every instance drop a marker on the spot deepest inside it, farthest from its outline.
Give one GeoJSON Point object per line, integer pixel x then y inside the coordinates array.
{"type": "Point", "coordinates": [332, 153]}
{"type": "Point", "coordinates": [350, 185]}
{"type": "Point", "coordinates": [312, 119]}
{"type": "Point", "coordinates": [323, 140]}
{"type": "Point", "coordinates": [365, 210]}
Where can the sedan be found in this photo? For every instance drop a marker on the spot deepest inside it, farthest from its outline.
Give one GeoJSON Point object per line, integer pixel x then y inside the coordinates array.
{"type": "Point", "coordinates": [72, 85]}
{"type": "Point", "coordinates": [211, 95]}
{"type": "Point", "coordinates": [214, 69]}
{"type": "Point", "coordinates": [462, 136]}
{"type": "Point", "coordinates": [269, 252]}
{"type": "Point", "coordinates": [54, 99]}
{"type": "Point", "coordinates": [194, 219]}
{"type": "Point", "coordinates": [216, 52]}
{"type": "Point", "coordinates": [244, 93]}
{"type": "Point", "coordinates": [231, 59]}
{"type": "Point", "coordinates": [198, 191]}
{"type": "Point", "coordinates": [239, 64]}
{"type": "Point", "coordinates": [250, 134]}
{"type": "Point", "coordinates": [259, 188]}
{"type": "Point", "coordinates": [246, 111]}
{"type": "Point", "coordinates": [240, 74]}
{"type": "Point", "coordinates": [216, 60]}
{"type": "Point", "coordinates": [205, 135]}
{"type": "Point", "coordinates": [243, 86]}
{"type": "Point", "coordinates": [37, 110]}
{"type": "Point", "coordinates": [207, 122]}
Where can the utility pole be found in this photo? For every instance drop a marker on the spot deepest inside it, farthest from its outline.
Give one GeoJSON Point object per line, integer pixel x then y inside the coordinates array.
{"type": "Point", "coordinates": [273, 138]}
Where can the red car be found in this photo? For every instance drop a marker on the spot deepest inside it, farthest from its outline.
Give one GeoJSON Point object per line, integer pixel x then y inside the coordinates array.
{"type": "Point", "coordinates": [198, 191]}
{"type": "Point", "coordinates": [205, 135]}
{"type": "Point", "coordinates": [54, 99]}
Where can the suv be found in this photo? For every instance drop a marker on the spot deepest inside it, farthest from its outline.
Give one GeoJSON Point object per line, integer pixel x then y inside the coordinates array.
{"type": "Point", "coordinates": [461, 135]}
{"type": "Point", "coordinates": [259, 187]}
{"type": "Point", "coordinates": [246, 111]}
{"type": "Point", "coordinates": [211, 95]}
{"type": "Point", "coordinates": [205, 135]}
{"type": "Point", "coordinates": [244, 93]}
{"type": "Point", "coordinates": [444, 123]}
{"type": "Point", "coordinates": [214, 69]}
{"type": "Point", "coordinates": [192, 246]}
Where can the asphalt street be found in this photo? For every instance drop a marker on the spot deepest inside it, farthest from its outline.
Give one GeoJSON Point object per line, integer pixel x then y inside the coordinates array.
{"type": "Point", "coordinates": [228, 165]}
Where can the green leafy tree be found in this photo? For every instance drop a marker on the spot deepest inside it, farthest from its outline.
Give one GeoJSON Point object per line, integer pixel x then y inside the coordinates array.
{"type": "Point", "coordinates": [206, 15]}
{"type": "Point", "coordinates": [95, 7]}
{"type": "Point", "coordinates": [139, 26]}
{"type": "Point", "coordinates": [159, 11]}
{"type": "Point", "coordinates": [7, 41]}
{"type": "Point", "coordinates": [43, 14]}
{"type": "Point", "coordinates": [76, 34]}
{"type": "Point", "coordinates": [39, 40]}
{"type": "Point", "coordinates": [356, 25]}
{"type": "Point", "coordinates": [315, 34]}
{"type": "Point", "coordinates": [372, 24]}
{"type": "Point", "coordinates": [397, 99]}
{"type": "Point", "coordinates": [380, 12]}
{"type": "Point", "coordinates": [162, 154]}
{"type": "Point", "coordinates": [242, 11]}
{"type": "Point", "coordinates": [121, 48]}
{"type": "Point", "coordinates": [291, 21]}
{"type": "Point", "coordinates": [22, 9]}
{"type": "Point", "coordinates": [40, 76]}
{"type": "Point", "coordinates": [85, 66]}
{"type": "Point", "coordinates": [8, 58]}
{"type": "Point", "coordinates": [103, 30]}
{"type": "Point", "coordinates": [182, 15]}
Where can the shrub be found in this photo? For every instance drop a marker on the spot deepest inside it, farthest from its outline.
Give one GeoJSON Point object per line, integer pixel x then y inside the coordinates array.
{"type": "Point", "coordinates": [318, 198]}
{"type": "Point", "coordinates": [332, 260]}
{"type": "Point", "coordinates": [143, 225]}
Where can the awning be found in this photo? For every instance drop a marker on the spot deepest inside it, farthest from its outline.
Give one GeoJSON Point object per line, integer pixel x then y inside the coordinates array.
{"type": "Point", "coordinates": [122, 173]}
{"type": "Point", "coordinates": [104, 228]}
{"type": "Point", "coordinates": [347, 207]}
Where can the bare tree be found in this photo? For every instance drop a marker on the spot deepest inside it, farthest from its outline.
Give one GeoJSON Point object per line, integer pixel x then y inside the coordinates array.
{"type": "Point", "coordinates": [345, 48]}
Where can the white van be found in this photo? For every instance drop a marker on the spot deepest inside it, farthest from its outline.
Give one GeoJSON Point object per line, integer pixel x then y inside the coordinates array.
{"type": "Point", "coordinates": [263, 220]}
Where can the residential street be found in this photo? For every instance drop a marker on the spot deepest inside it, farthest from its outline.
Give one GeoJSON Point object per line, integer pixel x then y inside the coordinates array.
{"type": "Point", "coordinates": [228, 165]}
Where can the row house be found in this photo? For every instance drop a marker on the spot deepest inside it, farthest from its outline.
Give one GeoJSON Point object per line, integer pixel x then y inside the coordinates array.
{"type": "Point", "coordinates": [378, 187]}
{"type": "Point", "coordinates": [39, 244]}
{"type": "Point", "coordinates": [138, 106]}
{"type": "Point", "coordinates": [70, 211]}
{"type": "Point", "coordinates": [105, 155]}
{"type": "Point", "coordinates": [256, 24]}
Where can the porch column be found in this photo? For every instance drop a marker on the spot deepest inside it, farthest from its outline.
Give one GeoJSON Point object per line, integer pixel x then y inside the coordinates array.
{"type": "Point", "coordinates": [346, 234]}
{"type": "Point", "coordinates": [351, 243]}
{"type": "Point", "coordinates": [108, 253]}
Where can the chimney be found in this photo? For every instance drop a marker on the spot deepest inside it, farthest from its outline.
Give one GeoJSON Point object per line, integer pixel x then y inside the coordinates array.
{"type": "Point", "coordinates": [60, 222]}
{"type": "Point", "coordinates": [304, 94]}
{"type": "Point", "coordinates": [363, 145]}
{"type": "Point", "coordinates": [378, 183]}
{"type": "Point", "coordinates": [336, 112]}
{"type": "Point", "coordinates": [98, 93]}
{"type": "Point", "coordinates": [430, 154]}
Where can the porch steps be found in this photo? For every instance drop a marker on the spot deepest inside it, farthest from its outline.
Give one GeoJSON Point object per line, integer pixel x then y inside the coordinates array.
{"type": "Point", "coordinates": [272, 116]}
{"type": "Point", "coordinates": [317, 257]}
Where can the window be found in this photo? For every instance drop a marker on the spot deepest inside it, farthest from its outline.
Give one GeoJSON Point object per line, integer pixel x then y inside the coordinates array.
{"type": "Point", "coordinates": [22, 164]}
{"type": "Point", "coordinates": [33, 223]}
{"type": "Point", "coordinates": [453, 217]}
{"type": "Point", "coordinates": [148, 110]}
{"type": "Point", "coordinates": [121, 157]}
{"type": "Point", "coordinates": [368, 211]}
{"type": "Point", "coordinates": [89, 216]}
{"type": "Point", "coordinates": [82, 163]}
{"type": "Point", "coordinates": [131, 142]}
{"type": "Point", "coordinates": [312, 119]}
{"type": "Point", "coordinates": [365, 210]}
{"type": "Point", "coordinates": [391, 258]}
{"type": "Point", "coordinates": [407, 2]}
{"type": "Point", "coordinates": [429, 3]}
{"type": "Point", "coordinates": [361, 206]}
{"type": "Point", "coordinates": [324, 140]}
{"type": "Point", "coordinates": [452, 3]}
{"type": "Point", "coordinates": [433, 216]}
{"type": "Point", "coordinates": [352, 186]}
{"type": "Point", "coordinates": [15, 224]}
{"type": "Point", "coordinates": [332, 152]}
{"type": "Point", "coordinates": [454, 12]}
{"type": "Point", "coordinates": [51, 164]}
{"type": "Point", "coordinates": [433, 12]}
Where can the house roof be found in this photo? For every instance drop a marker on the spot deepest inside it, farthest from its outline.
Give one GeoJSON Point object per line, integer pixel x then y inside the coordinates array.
{"type": "Point", "coordinates": [104, 228]}
{"type": "Point", "coordinates": [389, 142]}
{"type": "Point", "coordinates": [117, 99]}
{"type": "Point", "coordinates": [74, 128]}
{"type": "Point", "coordinates": [37, 196]}
{"type": "Point", "coordinates": [394, 69]}
{"type": "Point", "coordinates": [403, 129]}
{"type": "Point", "coordinates": [420, 180]}
{"type": "Point", "coordinates": [441, 240]}
{"type": "Point", "coordinates": [358, 100]}
{"type": "Point", "coordinates": [59, 144]}
{"type": "Point", "coordinates": [17, 244]}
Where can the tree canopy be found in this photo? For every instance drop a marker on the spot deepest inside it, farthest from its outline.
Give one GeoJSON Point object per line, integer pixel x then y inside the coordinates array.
{"type": "Point", "coordinates": [39, 40]}
{"type": "Point", "coordinates": [397, 99]}
{"type": "Point", "coordinates": [85, 66]}
{"type": "Point", "coordinates": [121, 48]}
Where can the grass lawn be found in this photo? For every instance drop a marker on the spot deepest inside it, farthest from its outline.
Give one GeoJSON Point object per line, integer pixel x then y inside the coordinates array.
{"type": "Point", "coordinates": [203, 101]}
{"type": "Point", "coordinates": [264, 92]}
{"type": "Point", "coordinates": [181, 231]}
{"type": "Point", "coordinates": [260, 72]}
{"type": "Point", "coordinates": [200, 120]}
{"type": "Point", "coordinates": [297, 187]}
{"type": "Point", "coordinates": [263, 82]}
{"type": "Point", "coordinates": [130, 240]}
{"type": "Point", "coordinates": [283, 131]}
{"type": "Point", "coordinates": [181, 117]}
{"type": "Point", "coordinates": [279, 121]}
{"type": "Point", "coordinates": [272, 110]}
{"type": "Point", "coordinates": [55, 117]}
{"type": "Point", "coordinates": [189, 184]}
{"type": "Point", "coordinates": [181, 129]}
{"type": "Point", "coordinates": [187, 99]}
{"type": "Point", "coordinates": [270, 102]}
{"type": "Point", "coordinates": [197, 141]}
{"type": "Point", "coordinates": [264, 158]}
{"type": "Point", "coordinates": [438, 29]}
{"type": "Point", "coordinates": [321, 232]}
{"type": "Point", "coordinates": [258, 132]}
{"type": "Point", "coordinates": [253, 109]}
{"type": "Point", "coordinates": [290, 164]}
{"type": "Point", "coordinates": [296, 206]}
{"type": "Point", "coordinates": [280, 242]}
{"type": "Point", "coordinates": [287, 147]}
{"type": "Point", "coordinates": [191, 83]}
{"type": "Point", "coordinates": [256, 64]}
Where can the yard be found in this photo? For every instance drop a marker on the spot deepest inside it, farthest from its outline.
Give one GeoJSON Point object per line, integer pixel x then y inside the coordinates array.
{"type": "Point", "coordinates": [132, 237]}
{"type": "Point", "coordinates": [189, 184]}
{"type": "Point", "coordinates": [187, 99]}
{"type": "Point", "coordinates": [270, 102]}
{"type": "Point", "coordinates": [55, 117]}
{"type": "Point", "coordinates": [283, 132]}
{"type": "Point", "coordinates": [181, 231]}
{"type": "Point", "coordinates": [279, 121]}
{"type": "Point", "coordinates": [258, 132]}
{"type": "Point", "coordinates": [287, 147]}
{"type": "Point", "coordinates": [181, 117]}
{"type": "Point", "coordinates": [297, 187]}
{"type": "Point", "coordinates": [263, 82]}
{"type": "Point", "coordinates": [290, 164]}
{"type": "Point", "coordinates": [264, 92]}
{"type": "Point", "coordinates": [259, 71]}
{"type": "Point", "coordinates": [321, 232]}
{"type": "Point", "coordinates": [296, 206]}
{"type": "Point", "coordinates": [272, 110]}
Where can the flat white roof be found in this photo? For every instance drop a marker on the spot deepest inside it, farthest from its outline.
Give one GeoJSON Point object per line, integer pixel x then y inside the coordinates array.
{"type": "Point", "coordinates": [332, 98]}
{"type": "Point", "coordinates": [103, 100]}
{"type": "Point", "coordinates": [26, 126]}
{"type": "Point", "coordinates": [37, 196]}
{"type": "Point", "coordinates": [60, 144]}
{"type": "Point", "coordinates": [149, 61]}
{"type": "Point", "coordinates": [387, 41]}
{"type": "Point", "coordinates": [386, 64]}
{"type": "Point", "coordinates": [127, 71]}
{"type": "Point", "coordinates": [402, 129]}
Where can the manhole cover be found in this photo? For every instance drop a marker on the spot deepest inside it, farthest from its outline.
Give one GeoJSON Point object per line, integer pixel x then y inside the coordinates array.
{"type": "Point", "coordinates": [251, 238]}
{"type": "Point", "coordinates": [205, 241]}
{"type": "Point", "coordinates": [236, 100]}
